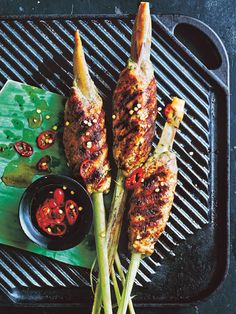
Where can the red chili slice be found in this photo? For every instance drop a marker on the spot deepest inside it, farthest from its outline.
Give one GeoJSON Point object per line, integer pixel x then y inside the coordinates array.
{"type": "Point", "coordinates": [134, 179]}
{"type": "Point", "coordinates": [57, 229]}
{"type": "Point", "coordinates": [86, 168]}
{"type": "Point", "coordinates": [43, 163]}
{"type": "Point", "coordinates": [59, 196]}
{"type": "Point", "coordinates": [52, 203]}
{"type": "Point", "coordinates": [72, 212]}
{"type": "Point", "coordinates": [46, 139]}
{"type": "Point", "coordinates": [42, 216]}
{"type": "Point", "coordinates": [49, 212]}
{"type": "Point", "coordinates": [167, 110]}
{"type": "Point", "coordinates": [24, 149]}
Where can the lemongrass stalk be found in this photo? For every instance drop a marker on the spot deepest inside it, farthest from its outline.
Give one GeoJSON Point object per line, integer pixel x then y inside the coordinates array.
{"type": "Point", "coordinates": [82, 78]}
{"type": "Point", "coordinates": [101, 248]}
{"type": "Point", "coordinates": [115, 283]}
{"type": "Point", "coordinates": [97, 301]}
{"type": "Point", "coordinates": [132, 271]}
{"type": "Point", "coordinates": [122, 276]}
{"type": "Point", "coordinates": [116, 287]}
{"type": "Point", "coordinates": [116, 216]}
{"type": "Point", "coordinates": [113, 231]}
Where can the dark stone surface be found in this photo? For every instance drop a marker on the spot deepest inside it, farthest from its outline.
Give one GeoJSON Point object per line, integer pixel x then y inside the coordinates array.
{"type": "Point", "coordinates": [221, 16]}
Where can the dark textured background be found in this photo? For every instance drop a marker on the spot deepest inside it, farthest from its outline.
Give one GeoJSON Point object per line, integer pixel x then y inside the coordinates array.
{"type": "Point", "coordinates": [221, 16]}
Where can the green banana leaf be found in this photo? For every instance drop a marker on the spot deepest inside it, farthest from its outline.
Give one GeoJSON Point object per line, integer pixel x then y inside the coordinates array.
{"type": "Point", "coordinates": [26, 111]}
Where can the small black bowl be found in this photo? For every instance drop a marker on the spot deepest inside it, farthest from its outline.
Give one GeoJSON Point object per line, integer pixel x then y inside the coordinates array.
{"type": "Point", "coordinates": [36, 193]}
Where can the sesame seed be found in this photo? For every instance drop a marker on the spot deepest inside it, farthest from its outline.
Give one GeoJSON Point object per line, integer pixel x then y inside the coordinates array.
{"type": "Point", "coordinates": [157, 190]}
{"type": "Point", "coordinates": [72, 192]}
{"type": "Point", "coordinates": [67, 123]}
{"type": "Point", "coordinates": [135, 108]}
{"type": "Point", "coordinates": [71, 206]}
{"type": "Point", "coordinates": [162, 183]}
{"type": "Point", "coordinates": [89, 123]}
{"type": "Point", "coordinates": [49, 229]}
{"type": "Point", "coordinates": [35, 120]}
{"type": "Point", "coordinates": [51, 192]}
{"type": "Point", "coordinates": [50, 141]}
{"type": "Point", "coordinates": [113, 117]}
{"type": "Point", "coordinates": [80, 208]}
{"type": "Point", "coordinates": [55, 127]}
{"type": "Point", "coordinates": [60, 211]}
{"type": "Point", "coordinates": [139, 105]}
{"type": "Point", "coordinates": [191, 153]}
{"type": "Point", "coordinates": [38, 111]}
{"type": "Point", "coordinates": [85, 122]}
{"type": "Point", "coordinates": [47, 117]}
{"type": "Point", "coordinates": [131, 112]}
{"type": "Point", "coordinates": [44, 164]}
{"type": "Point", "coordinates": [89, 144]}
{"type": "Point", "coordinates": [95, 121]}
{"type": "Point", "coordinates": [159, 108]}
{"type": "Point", "coordinates": [64, 187]}
{"type": "Point", "coordinates": [103, 234]}
{"type": "Point", "coordinates": [87, 133]}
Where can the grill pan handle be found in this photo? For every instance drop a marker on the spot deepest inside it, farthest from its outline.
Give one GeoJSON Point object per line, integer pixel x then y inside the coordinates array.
{"type": "Point", "coordinates": [196, 33]}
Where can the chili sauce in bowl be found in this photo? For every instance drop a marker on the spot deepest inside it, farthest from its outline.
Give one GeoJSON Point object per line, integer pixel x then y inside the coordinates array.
{"type": "Point", "coordinates": [55, 212]}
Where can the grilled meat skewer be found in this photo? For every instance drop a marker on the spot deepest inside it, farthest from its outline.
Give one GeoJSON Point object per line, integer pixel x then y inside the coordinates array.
{"type": "Point", "coordinates": [152, 200]}
{"type": "Point", "coordinates": [85, 133]}
{"type": "Point", "coordinates": [134, 100]}
{"type": "Point", "coordinates": [86, 151]}
{"type": "Point", "coordinates": [134, 113]}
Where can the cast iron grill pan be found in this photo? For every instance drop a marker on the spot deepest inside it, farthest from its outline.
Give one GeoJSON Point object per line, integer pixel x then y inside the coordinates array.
{"type": "Point", "coordinates": [190, 259]}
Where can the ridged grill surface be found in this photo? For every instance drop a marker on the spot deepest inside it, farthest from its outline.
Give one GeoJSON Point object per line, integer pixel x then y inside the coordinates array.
{"type": "Point", "coordinates": [39, 52]}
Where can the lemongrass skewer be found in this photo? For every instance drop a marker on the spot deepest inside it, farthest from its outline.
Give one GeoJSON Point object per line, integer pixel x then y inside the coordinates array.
{"type": "Point", "coordinates": [83, 81]}
{"type": "Point", "coordinates": [174, 113]}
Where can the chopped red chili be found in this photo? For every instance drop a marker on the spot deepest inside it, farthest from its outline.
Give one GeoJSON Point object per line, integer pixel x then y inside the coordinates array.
{"type": "Point", "coordinates": [43, 163]}
{"type": "Point", "coordinates": [46, 139]}
{"type": "Point", "coordinates": [134, 179]}
{"type": "Point", "coordinates": [54, 216]}
{"type": "Point", "coordinates": [87, 168]}
{"type": "Point", "coordinates": [72, 212]}
{"type": "Point", "coordinates": [24, 149]}
{"type": "Point", "coordinates": [59, 196]}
